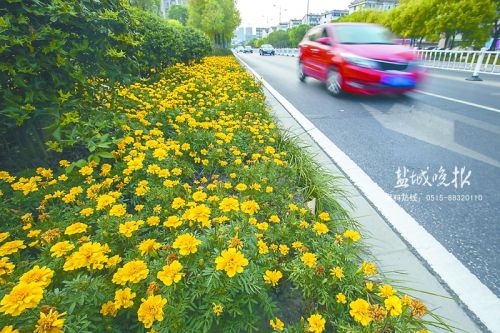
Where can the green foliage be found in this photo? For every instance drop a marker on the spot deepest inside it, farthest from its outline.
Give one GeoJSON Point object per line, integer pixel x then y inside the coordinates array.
{"type": "Point", "coordinates": [277, 38]}
{"type": "Point", "coordinates": [296, 34]}
{"type": "Point", "coordinates": [152, 6]}
{"type": "Point", "coordinates": [179, 13]}
{"type": "Point", "coordinates": [217, 18]}
{"type": "Point", "coordinates": [54, 53]}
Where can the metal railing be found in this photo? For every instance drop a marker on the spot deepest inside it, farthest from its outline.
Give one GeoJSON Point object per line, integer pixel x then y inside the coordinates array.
{"type": "Point", "coordinates": [477, 61]}
{"type": "Point", "coordinates": [481, 61]}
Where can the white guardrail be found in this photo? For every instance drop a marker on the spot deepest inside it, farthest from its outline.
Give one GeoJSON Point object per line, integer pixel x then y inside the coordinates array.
{"type": "Point", "coordinates": [477, 61]}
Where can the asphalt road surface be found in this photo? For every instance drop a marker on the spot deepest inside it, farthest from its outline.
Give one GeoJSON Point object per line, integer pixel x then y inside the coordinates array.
{"type": "Point", "coordinates": [438, 158]}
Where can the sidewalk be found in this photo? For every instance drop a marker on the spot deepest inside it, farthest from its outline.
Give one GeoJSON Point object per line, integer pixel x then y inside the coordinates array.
{"type": "Point", "coordinates": [394, 257]}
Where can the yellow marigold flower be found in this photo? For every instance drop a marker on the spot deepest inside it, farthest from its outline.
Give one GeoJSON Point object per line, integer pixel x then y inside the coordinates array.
{"type": "Point", "coordinates": [4, 236]}
{"type": "Point", "coordinates": [171, 273]}
{"type": "Point", "coordinates": [138, 208]}
{"type": "Point", "coordinates": [369, 268]}
{"type": "Point", "coordinates": [40, 276]}
{"type": "Point", "coordinates": [303, 224]}
{"type": "Point", "coordinates": [64, 163]}
{"type": "Point", "coordinates": [104, 201]}
{"type": "Point", "coordinates": [352, 235]}
{"type": "Point", "coordinates": [393, 305]}
{"type": "Point", "coordinates": [341, 298]}
{"type": "Point", "coordinates": [178, 203]}
{"type": "Point", "coordinates": [200, 213]}
{"type": "Point", "coordinates": [263, 248]}
{"type": "Point", "coordinates": [293, 207]}
{"type": "Point", "coordinates": [338, 272]}
{"type": "Point", "coordinates": [284, 249]}
{"type": "Point", "coordinates": [324, 216]}
{"type": "Point", "coordinates": [133, 271]}
{"type": "Point", "coordinates": [228, 204]}
{"type": "Point", "coordinates": [249, 207]}
{"type": "Point", "coordinates": [148, 246]}
{"type": "Point", "coordinates": [86, 212]}
{"type": "Point", "coordinates": [277, 324]}
{"type": "Point", "coordinates": [199, 196]}
{"type": "Point", "coordinates": [272, 277]}
{"type": "Point", "coordinates": [23, 296]}
{"type": "Point", "coordinates": [151, 309]}
{"type": "Point", "coordinates": [128, 228]}
{"type": "Point", "coordinates": [386, 291]}
{"type": "Point", "coordinates": [50, 322]}
{"type": "Point", "coordinates": [309, 259]}
{"type": "Point", "coordinates": [262, 226]}
{"type": "Point", "coordinates": [297, 245]}
{"type": "Point", "coordinates": [369, 286]}
{"type": "Point", "coordinates": [269, 189]}
{"type": "Point", "coordinates": [109, 309]}
{"type": "Point", "coordinates": [186, 243]}
{"type": "Point", "coordinates": [113, 261]}
{"type": "Point", "coordinates": [11, 247]}
{"type": "Point", "coordinates": [320, 228]}
{"type": "Point", "coordinates": [217, 309]}
{"type": "Point", "coordinates": [274, 219]}
{"type": "Point", "coordinates": [76, 228]}
{"type": "Point", "coordinates": [124, 297]}
{"type": "Point", "coordinates": [176, 171]}
{"type": "Point", "coordinates": [231, 261]}
{"type": "Point", "coordinates": [316, 323]}
{"type": "Point", "coordinates": [172, 222]}
{"type": "Point", "coordinates": [153, 220]}
{"type": "Point", "coordinates": [118, 210]}
{"type": "Point", "coordinates": [9, 329]}
{"type": "Point", "coordinates": [86, 171]}
{"type": "Point", "coordinates": [90, 255]}
{"type": "Point", "coordinates": [34, 233]}
{"type": "Point", "coordinates": [377, 312]}
{"type": "Point", "coordinates": [360, 311]}
{"type": "Point", "coordinates": [6, 267]}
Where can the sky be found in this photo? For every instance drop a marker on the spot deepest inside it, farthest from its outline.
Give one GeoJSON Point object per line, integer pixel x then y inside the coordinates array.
{"type": "Point", "coordinates": [265, 13]}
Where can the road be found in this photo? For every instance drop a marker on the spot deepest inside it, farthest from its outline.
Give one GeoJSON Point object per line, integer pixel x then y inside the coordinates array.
{"type": "Point", "coordinates": [436, 151]}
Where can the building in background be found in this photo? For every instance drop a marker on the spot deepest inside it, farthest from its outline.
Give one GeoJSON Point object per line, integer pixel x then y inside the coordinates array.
{"type": "Point", "coordinates": [333, 15]}
{"type": "Point", "coordinates": [294, 23]}
{"type": "Point", "coordinates": [165, 5]}
{"type": "Point", "coordinates": [357, 5]}
{"type": "Point", "coordinates": [283, 26]}
{"type": "Point", "coordinates": [261, 32]}
{"type": "Point", "coordinates": [243, 35]}
{"type": "Point", "coordinates": [311, 19]}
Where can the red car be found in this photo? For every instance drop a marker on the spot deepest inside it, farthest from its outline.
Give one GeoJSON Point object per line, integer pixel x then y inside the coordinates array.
{"type": "Point", "coordinates": [358, 58]}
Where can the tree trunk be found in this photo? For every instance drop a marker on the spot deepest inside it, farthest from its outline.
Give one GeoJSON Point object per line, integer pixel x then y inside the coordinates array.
{"type": "Point", "coordinates": [453, 40]}
{"type": "Point", "coordinates": [420, 42]}
{"type": "Point", "coordinates": [496, 36]}
{"type": "Point", "coordinates": [446, 41]}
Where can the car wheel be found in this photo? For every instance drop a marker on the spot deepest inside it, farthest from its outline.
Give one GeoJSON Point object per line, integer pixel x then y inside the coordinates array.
{"type": "Point", "coordinates": [300, 72]}
{"type": "Point", "coordinates": [333, 82]}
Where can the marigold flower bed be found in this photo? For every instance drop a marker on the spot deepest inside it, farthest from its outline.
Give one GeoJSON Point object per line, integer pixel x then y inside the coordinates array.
{"type": "Point", "coordinates": [198, 223]}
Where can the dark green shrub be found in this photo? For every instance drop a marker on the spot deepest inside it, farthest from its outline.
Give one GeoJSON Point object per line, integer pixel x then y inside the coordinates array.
{"type": "Point", "coordinates": [55, 52]}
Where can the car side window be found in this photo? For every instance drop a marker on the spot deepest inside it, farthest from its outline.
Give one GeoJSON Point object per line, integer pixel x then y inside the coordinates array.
{"type": "Point", "coordinates": [314, 34]}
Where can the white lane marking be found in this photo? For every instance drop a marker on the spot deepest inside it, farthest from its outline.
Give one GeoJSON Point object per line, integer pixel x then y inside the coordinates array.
{"type": "Point", "coordinates": [472, 292]}
{"type": "Point", "coordinates": [459, 101]}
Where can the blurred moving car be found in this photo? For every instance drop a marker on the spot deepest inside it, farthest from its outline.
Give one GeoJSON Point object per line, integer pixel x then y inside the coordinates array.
{"type": "Point", "coordinates": [358, 58]}
{"type": "Point", "coordinates": [248, 49]}
{"type": "Point", "coordinates": [240, 49]}
{"type": "Point", "coordinates": [267, 49]}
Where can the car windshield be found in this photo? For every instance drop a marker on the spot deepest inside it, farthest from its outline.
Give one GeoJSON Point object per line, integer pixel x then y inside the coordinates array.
{"type": "Point", "coordinates": [363, 34]}
{"type": "Point", "coordinates": [267, 46]}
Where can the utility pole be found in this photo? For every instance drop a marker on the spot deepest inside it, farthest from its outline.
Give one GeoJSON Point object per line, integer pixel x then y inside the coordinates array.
{"type": "Point", "coordinates": [307, 13]}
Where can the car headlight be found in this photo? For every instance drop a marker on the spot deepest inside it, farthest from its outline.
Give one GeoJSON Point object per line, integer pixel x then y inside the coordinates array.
{"type": "Point", "coordinates": [359, 61]}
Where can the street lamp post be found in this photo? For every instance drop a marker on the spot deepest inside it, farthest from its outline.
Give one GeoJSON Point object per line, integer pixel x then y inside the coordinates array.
{"type": "Point", "coordinates": [307, 13]}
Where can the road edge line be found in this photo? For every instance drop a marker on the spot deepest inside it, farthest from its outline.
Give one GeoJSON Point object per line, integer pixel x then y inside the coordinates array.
{"type": "Point", "coordinates": [473, 293]}
{"type": "Point", "coordinates": [484, 107]}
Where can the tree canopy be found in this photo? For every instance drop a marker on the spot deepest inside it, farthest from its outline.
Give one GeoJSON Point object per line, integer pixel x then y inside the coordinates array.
{"type": "Point", "coordinates": [217, 18]}
{"type": "Point", "coordinates": [179, 13]}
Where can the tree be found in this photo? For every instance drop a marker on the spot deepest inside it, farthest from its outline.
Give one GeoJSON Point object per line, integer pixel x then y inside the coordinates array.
{"type": "Point", "coordinates": [296, 34]}
{"type": "Point", "coordinates": [152, 6]}
{"type": "Point", "coordinates": [217, 18]}
{"type": "Point", "coordinates": [278, 39]}
{"type": "Point", "coordinates": [366, 16]}
{"type": "Point", "coordinates": [496, 27]}
{"type": "Point", "coordinates": [179, 13]}
{"type": "Point", "coordinates": [409, 20]}
{"type": "Point", "coordinates": [471, 18]}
